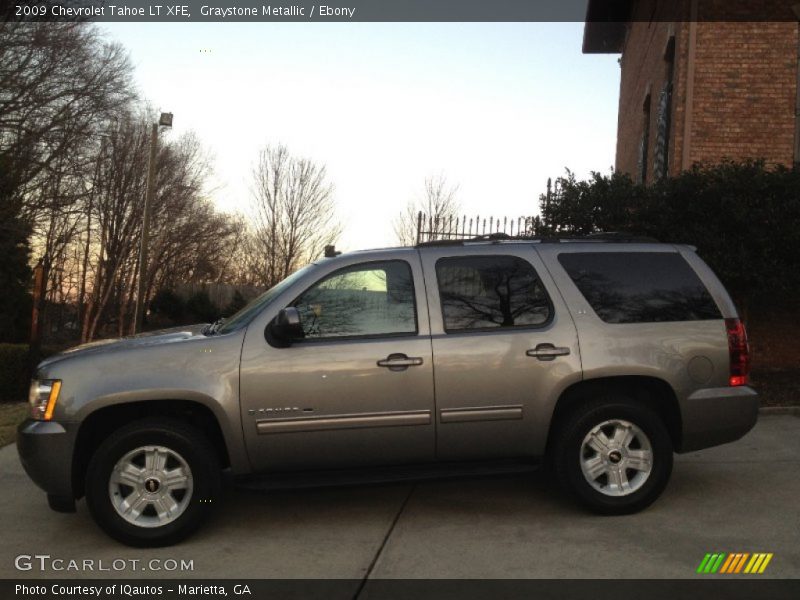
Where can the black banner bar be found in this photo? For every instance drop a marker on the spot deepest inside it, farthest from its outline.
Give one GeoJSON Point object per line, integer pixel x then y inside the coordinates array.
{"type": "Point", "coordinates": [712, 588]}
{"type": "Point", "coordinates": [603, 11]}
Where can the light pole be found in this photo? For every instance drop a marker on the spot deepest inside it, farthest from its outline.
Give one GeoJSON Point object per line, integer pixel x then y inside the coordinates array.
{"type": "Point", "coordinates": [138, 319]}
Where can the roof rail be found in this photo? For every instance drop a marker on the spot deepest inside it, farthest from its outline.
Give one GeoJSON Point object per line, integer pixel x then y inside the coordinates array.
{"type": "Point", "coordinates": [601, 236]}
{"type": "Point", "coordinates": [621, 236]}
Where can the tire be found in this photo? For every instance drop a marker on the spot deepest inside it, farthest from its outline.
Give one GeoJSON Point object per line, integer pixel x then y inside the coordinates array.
{"type": "Point", "coordinates": [595, 473]}
{"type": "Point", "coordinates": [153, 482]}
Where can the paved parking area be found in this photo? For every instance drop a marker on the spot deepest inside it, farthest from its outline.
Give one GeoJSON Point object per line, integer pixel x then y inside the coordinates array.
{"type": "Point", "coordinates": [741, 497]}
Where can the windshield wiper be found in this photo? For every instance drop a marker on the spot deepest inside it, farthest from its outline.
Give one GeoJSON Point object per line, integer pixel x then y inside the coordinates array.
{"type": "Point", "coordinates": [213, 327]}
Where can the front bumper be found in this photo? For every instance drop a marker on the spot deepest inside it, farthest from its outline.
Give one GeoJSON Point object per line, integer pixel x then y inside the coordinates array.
{"type": "Point", "coordinates": [46, 450]}
{"type": "Point", "coordinates": [715, 416]}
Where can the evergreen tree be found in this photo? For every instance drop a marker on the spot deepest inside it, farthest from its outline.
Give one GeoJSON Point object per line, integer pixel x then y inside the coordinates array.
{"type": "Point", "coordinates": [15, 299]}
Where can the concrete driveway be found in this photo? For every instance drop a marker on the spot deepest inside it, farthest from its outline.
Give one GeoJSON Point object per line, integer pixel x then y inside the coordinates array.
{"type": "Point", "coordinates": [737, 498]}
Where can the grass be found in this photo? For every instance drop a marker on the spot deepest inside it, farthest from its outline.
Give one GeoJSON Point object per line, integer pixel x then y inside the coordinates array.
{"type": "Point", "coordinates": [11, 415]}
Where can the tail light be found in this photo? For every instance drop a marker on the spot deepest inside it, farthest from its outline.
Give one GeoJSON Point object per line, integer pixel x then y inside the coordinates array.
{"type": "Point", "coordinates": [739, 351]}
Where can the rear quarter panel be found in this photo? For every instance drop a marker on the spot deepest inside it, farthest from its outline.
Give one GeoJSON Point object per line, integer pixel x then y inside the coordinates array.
{"type": "Point", "coordinates": [687, 355]}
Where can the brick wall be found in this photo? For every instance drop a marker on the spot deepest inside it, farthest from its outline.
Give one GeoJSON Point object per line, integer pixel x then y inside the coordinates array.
{"type": "Point", "coordinates": [744, 87]}
{"type": "Point", "coordinates": [744, 92]}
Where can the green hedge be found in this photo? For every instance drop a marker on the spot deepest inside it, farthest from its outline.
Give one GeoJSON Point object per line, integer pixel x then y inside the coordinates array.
{"type": "Point", "coordinates": [744, 218]}
{"type": "Point", "coordinates": [14, 372]}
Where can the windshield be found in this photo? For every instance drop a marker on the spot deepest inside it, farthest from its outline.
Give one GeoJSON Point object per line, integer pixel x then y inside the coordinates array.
{"type": "Point", "coordinates": [245, 315]}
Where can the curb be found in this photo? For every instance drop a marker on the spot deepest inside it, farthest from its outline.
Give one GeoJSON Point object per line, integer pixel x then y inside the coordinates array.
{"type": "Point", "coordinates": [779, 410]}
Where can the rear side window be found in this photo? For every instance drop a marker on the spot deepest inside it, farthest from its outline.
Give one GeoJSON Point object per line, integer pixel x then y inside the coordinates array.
{"type": "Point", "coordinates": [488, 292]}
{"type": "Point", "coordinates": [640, 287]}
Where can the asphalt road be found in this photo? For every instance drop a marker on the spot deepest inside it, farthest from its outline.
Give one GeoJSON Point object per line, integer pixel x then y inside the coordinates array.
{"type": "Point", "coordinates": [742, 497]}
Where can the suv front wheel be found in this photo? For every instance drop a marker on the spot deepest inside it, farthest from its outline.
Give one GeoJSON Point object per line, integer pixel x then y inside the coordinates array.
{"type": "Point", "coordinates": [614, 456]}
{"type": "Point", "coordinates": [152, 483]}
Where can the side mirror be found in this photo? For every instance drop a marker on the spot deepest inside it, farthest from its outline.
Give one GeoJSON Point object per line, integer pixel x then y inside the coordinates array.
{"type": "Point", "coordinates": [285, 328]}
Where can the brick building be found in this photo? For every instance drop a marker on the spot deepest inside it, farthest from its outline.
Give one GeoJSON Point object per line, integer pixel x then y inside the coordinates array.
{"type": "Point", "coordinates": [701, 81]}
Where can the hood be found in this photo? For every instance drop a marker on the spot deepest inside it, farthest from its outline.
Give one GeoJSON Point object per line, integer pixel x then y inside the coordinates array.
{"type": "Point", "coordinates": [150, 338]}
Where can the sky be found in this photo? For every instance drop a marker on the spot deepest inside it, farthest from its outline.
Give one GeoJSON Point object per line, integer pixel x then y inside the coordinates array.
{"type": "Point", "coordinates": [496, 108]}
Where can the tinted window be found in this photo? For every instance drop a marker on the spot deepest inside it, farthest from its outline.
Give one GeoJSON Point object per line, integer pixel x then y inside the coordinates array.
{"type": "Point", "coordinates": [368, 299]}
{"type": "Point", "coordinates": [483, 292]}
{"type": "Point", "coordinates": [640, 287]}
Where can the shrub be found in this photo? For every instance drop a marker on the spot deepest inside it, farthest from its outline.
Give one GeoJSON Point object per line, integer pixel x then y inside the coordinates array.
{"type": "Point", "coordinates": [168, 304]}
{"type": "Point", "coordinates": [237, 303]}
{"type": "Point", "coordinates": [15, 372]}
{"type": "Point", "coordinates": [200, 308]}
{"type": "Point", "coordinates": [743, 218]}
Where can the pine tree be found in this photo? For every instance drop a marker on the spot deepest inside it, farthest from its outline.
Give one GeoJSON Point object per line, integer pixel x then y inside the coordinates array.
{"type": "Point", "coordinates": [15, 299]}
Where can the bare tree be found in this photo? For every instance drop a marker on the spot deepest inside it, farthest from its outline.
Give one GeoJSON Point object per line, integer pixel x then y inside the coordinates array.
{"type": "Point", "coordinates": [118, 217]}
{"type": "Point", "coordinates": [234, 260]}
{"type": "Point", "coordinates": [438, 206]}
{"type": "Point", "coordinates": [189, 238]}
{"type": "Point", "coordinates": [293, 214]}
{"type": "Point", "coordinates": [60, 83]}
{"type": "Point", "coordinates": [73, 161]}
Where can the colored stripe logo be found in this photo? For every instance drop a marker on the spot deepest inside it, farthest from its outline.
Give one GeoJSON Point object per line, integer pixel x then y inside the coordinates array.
{"type": "Point", "coordinates": [735, 563]}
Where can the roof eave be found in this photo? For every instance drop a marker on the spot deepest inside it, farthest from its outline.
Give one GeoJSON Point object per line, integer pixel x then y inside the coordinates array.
{"type": "Point", "coordinates": [606, 24]}
{"type": "Point", "coordinates": [603, 38]}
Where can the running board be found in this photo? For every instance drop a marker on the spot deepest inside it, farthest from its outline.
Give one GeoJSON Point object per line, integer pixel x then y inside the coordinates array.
{"type": "Point", "coordinates": [379, 475]}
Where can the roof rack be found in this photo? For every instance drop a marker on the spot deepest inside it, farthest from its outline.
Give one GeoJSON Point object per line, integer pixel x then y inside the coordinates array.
{"type": "Point", "coordinates": [602, 236]}
{"type": "Point", "coordinates": [621, 236]}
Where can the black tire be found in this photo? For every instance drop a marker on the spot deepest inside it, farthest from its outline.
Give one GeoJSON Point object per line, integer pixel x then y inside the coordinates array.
{"type": "Point", "coordinates": [567, 455]}
{"type": "Point", "coordinates": [186, 441]}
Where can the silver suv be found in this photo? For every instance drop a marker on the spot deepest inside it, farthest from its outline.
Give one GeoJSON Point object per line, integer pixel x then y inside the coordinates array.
{"type": "Point", "coordinates": [596, 356]}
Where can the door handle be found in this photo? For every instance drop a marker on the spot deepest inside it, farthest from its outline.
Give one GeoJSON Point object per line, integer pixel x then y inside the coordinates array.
{"type": "Point", "coordinates": [399, 362]}
{"type": "Point", "coordinates": [547, 351]}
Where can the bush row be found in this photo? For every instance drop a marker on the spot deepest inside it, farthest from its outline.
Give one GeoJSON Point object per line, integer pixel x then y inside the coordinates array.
{"type": "Point", "coordinates": [14, 372]}
{"type": "Point", "coordinates": [744, 218]}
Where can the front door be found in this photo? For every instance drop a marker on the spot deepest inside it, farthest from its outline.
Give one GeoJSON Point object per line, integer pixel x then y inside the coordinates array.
{"type": "Point", "coordinates": [358, 389]}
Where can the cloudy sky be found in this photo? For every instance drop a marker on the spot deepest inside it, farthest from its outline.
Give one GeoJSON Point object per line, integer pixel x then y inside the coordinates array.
{"type": "Point", "coordinates": [496, 108]}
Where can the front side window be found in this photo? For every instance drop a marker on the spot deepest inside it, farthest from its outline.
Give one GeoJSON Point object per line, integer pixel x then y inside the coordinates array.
{"type": "Point", "coordinates": [640, 287]}
{"type": "Point", "coordinates": [489, 292]}
{"type": "Point", "coordinates": [370, 299]}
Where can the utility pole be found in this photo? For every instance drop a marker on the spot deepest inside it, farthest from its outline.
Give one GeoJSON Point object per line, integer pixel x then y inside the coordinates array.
{"type": "Point", "coordinates": [138, 318]}
{"type": "Point", "coordinates": [40, 275]}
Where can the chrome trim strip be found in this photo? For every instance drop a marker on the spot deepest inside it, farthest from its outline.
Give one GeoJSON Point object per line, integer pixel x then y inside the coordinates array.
{"type": "Point", "coordinates": [385, 419]}
{"type": "Point", "coordinates": [482, 413]}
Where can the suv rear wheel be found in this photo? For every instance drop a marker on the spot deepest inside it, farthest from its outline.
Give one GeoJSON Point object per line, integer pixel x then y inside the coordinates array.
{"type": "Point", "coordinates": [613, 455]}
{"type": "Point", "coordinates": [152, 482]}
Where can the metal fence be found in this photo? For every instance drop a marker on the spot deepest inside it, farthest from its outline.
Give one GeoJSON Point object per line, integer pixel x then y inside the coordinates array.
{"type": "Point", "coordinates": [432, 228]}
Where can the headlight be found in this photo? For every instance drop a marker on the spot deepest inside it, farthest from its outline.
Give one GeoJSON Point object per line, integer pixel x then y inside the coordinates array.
{"type": "Point", "coordinates": [42, 398]}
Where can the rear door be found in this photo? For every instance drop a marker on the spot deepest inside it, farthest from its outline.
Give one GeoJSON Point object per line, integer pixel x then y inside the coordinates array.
{"type": "Point", "coordinates": [504, 348]}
